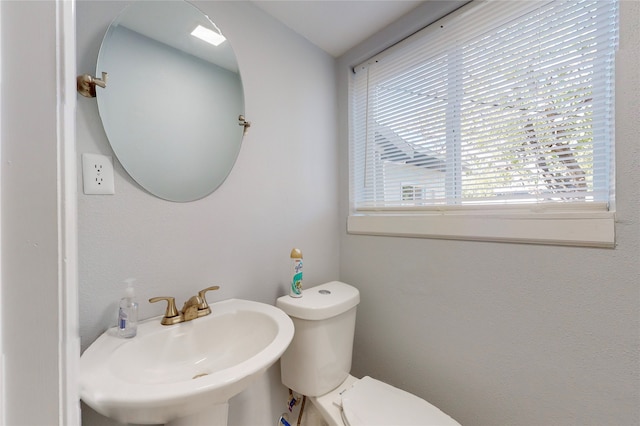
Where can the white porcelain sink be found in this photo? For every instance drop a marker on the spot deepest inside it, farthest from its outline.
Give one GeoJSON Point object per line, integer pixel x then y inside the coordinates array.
{"type": "Point", "coordinates": [169, 372]}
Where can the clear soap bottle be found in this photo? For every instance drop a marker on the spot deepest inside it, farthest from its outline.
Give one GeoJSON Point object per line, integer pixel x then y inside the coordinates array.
{"type": "Point", "coordinates": [128, 312]}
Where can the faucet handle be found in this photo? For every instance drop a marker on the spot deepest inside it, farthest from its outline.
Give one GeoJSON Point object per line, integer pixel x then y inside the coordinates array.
{"type": "Point", "coordinates": [171, 316]}
{"type": "Point", "coordinates": [203, 308]}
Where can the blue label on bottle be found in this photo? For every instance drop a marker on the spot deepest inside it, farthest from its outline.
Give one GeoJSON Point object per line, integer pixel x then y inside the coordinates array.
{"type": "Point", "coordinates": [122, 320]}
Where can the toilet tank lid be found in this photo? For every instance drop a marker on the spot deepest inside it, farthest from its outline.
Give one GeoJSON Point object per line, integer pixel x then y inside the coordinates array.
{"type": "Point", "coordinates": [321, 302]}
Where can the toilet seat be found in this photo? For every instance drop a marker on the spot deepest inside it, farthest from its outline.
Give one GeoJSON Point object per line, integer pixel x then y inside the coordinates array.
{"type": "Point", "coordinates": [370, 402]}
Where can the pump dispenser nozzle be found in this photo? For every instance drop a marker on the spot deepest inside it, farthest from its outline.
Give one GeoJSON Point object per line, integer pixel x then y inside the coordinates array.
{"type": "Point", "coordinates": [130, 291]}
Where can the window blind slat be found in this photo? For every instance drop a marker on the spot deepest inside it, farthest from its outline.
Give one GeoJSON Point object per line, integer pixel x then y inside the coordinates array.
{"type": "Point", "coordinates": [501, 103]}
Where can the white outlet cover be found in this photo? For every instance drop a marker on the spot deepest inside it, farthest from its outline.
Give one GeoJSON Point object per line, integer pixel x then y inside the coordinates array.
{"type": "Point", "coordinates": [97, 174]}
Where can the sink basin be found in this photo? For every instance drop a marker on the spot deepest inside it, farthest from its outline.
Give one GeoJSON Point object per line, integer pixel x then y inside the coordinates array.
{"type": "Point", "coordinates": [169, 372]}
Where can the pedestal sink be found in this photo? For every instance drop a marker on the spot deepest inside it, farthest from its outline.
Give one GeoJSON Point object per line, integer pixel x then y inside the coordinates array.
{"type": "Point", "coordinates": [183, 373]}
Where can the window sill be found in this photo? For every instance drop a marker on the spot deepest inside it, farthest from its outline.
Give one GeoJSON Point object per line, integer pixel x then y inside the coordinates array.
{"type": "Point", "coordinates": [590, 229]}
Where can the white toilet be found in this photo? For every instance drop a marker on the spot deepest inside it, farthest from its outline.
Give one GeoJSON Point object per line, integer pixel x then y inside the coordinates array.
{"type": "Point", "coordinates": [318, 362]}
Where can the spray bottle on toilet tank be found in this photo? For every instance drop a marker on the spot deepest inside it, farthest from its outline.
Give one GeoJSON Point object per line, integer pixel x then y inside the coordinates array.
{"type": "Point", "coordinates": [296, 273]}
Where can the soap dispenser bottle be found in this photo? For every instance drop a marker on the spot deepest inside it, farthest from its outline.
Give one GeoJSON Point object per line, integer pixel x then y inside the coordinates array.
{"type": "Point", "coordinates": [128, 312]}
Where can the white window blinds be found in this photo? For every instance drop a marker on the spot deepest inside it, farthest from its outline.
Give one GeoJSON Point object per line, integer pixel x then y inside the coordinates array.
{"type": "Point", "coordinates": [500, 103]}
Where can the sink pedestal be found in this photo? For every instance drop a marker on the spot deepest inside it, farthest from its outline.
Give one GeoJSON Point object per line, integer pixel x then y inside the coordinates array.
{"type": "Point", "coordinates": [216, 415]}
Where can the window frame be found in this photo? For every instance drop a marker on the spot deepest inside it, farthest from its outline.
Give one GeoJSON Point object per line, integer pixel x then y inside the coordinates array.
{"type": "Point", "coordinates": [572, 224]}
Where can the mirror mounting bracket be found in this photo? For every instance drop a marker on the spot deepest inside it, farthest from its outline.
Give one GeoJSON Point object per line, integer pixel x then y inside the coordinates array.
{"type": "Point", "coordinates": [86, 84]}
{"type": "Point", "coordinates": [244, 123]}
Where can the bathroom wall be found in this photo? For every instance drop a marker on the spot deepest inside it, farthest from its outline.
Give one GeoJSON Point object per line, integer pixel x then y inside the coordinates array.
{"type": "Point", "coordinates": [282, 193]}
{"type": "Point", "coordinates": [505, 334]}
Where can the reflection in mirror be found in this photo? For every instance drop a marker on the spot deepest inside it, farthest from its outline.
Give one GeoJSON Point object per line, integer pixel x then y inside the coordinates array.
{"type": "Point", "coordinates": [171, 106]}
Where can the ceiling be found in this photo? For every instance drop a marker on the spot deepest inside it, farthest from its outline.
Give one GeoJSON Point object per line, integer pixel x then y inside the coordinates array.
{"type": "Point", "coordinates": [337, 25]}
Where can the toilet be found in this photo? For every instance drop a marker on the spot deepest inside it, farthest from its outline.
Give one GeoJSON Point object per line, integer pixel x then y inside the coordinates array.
{"type": "Point", "coordinates": [317, 364]}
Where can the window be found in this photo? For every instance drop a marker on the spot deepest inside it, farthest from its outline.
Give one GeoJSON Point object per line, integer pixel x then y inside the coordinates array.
{"type": "Point", "coordinates": [502, 114]}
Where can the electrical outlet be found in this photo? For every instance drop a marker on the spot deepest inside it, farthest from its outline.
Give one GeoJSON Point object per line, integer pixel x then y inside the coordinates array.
{"type": "Point", "coordinates": [97, 174]}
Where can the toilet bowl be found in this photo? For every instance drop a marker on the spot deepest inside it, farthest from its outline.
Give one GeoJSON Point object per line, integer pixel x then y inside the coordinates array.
{"type": "Point", "coordinates": [317, 364]}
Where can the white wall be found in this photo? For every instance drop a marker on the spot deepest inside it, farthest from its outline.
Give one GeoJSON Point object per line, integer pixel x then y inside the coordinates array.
{"type": "Point", "coordinates": [282, 193]}
{"type": "Point", "coordinates": [495, 333]}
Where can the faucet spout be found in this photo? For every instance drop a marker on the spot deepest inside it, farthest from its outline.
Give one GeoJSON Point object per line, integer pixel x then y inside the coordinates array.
{"type": "Point", "coordinates": [190, 308]}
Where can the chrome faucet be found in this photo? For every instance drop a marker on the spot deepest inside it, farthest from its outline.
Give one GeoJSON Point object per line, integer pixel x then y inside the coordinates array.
{"type": "Point", "coordinates": [193, 308]}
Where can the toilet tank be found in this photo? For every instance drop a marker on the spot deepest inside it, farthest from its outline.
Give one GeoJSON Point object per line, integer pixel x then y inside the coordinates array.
{"type": "Point", "coordinates": [319, 356]}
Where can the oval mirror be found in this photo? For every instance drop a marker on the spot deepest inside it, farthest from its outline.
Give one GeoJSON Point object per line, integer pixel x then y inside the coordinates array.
{"type": "Point", "coordinates": [172, 101]}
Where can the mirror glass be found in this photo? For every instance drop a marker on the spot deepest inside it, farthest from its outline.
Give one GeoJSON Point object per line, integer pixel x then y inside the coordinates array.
{"type": "Point", "coordinates": [172, 101]}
